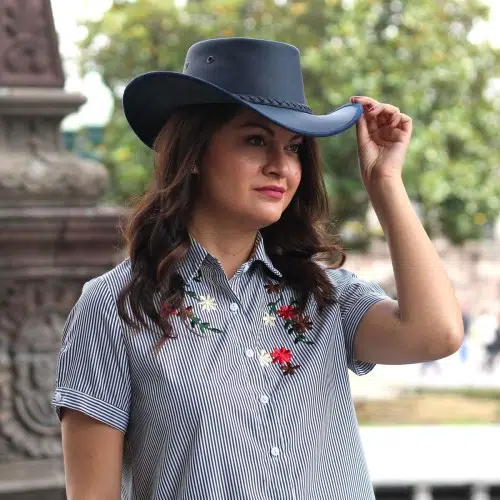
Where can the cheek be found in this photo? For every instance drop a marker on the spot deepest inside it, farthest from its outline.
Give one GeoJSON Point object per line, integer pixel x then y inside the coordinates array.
{"type": "Point", "coordinates": [227, 180]}
{"type": "Point", "coordinates": [295, 178]}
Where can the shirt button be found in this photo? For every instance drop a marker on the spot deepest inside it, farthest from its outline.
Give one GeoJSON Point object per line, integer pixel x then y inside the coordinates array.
{"type": "Point", "coordinates": [275, 451]}
{"type": "Point", "coordinates": [58, 397]}
{"type": "Point", "coordinates": [264, 399]}
{"type": "Point", "coordinates": [233, 306]}
{"type": "Point", "coordinates": [249, 353]}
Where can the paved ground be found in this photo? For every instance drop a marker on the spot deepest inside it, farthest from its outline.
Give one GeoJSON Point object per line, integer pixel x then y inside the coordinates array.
{"type": "Point", "coordinates": [434, 454]}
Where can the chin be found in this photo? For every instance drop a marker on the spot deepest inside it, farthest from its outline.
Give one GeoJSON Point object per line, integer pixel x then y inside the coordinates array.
{"type": "Point", "coordinates": [264, 218]}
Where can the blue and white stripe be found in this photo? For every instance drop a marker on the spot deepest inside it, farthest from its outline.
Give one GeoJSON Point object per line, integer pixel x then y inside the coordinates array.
{"type": "Point", "coordinates": [203, 419]}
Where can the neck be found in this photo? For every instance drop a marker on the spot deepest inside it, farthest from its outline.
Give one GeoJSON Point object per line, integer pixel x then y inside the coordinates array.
{"type": "Point", "coordinates": [230, 246]}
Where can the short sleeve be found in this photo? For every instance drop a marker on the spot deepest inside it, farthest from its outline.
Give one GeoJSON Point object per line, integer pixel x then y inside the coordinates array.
{"type": "Point", "coordinates": [92, 371]}
{"type": "Point", "coordinates": [355, 296]}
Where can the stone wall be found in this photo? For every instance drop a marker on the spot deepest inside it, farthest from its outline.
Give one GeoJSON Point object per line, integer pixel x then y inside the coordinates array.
{"type": "Point", "coordinates": [474, 270]}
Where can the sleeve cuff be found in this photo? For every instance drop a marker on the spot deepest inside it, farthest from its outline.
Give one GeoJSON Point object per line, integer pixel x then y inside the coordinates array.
{"type": "Point", "coordinates": [90, 406]}
{"type": "Point", "coordinates": [356, 312]}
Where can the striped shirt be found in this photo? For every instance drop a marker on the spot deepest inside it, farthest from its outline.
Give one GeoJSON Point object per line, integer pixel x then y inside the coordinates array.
{"type": "Point", "coordinates": [250, 400]}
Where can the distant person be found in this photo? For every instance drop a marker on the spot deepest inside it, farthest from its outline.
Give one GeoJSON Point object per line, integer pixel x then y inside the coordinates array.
{"type": "Point", "coordinates": [464, 348]}
{"type": "Point", "coordinates": [492, 350]}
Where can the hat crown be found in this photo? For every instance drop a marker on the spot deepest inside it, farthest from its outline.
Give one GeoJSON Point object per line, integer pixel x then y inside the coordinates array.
{"type": "Point", "coordinates": [248, 66]}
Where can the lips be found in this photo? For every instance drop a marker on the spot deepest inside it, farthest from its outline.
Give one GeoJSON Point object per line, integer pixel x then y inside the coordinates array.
{"type": "Point", "coordinates": [277, 189]}
{"type": "Point", "coordinates": [274, 192]}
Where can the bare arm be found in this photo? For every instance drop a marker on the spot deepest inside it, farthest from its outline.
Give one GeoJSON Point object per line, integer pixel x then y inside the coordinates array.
{"type": "Point", "coordinates": [93, 454]}
{"type": "Point", "coordinates": [426, 322]}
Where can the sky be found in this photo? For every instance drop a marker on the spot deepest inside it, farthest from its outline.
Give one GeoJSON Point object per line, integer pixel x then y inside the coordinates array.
{"type": "Point", "coordinates": [96, 111]}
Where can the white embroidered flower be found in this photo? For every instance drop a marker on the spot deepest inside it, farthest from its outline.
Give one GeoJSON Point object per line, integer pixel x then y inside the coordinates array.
{"type": "Point", "coordinates": [265, 358]}
{"type": "Point", "coordinates": [207, 303]}
{"type": "Point", "coordinates": [268, 319]}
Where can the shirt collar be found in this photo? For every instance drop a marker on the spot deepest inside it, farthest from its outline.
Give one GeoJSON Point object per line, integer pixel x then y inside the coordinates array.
{"type": "Point", "coordinates": [191, 263]}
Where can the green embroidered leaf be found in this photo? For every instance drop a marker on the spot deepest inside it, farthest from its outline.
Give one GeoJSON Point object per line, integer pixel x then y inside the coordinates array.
{"type": "Point", "coordinates": [197, 278]}
{"type": "Point", "coordinates": [195, 321]}
{"type": "Point", "coordinates": [216, 330]}
{"type": "Point", "coordinates": [191, 294]}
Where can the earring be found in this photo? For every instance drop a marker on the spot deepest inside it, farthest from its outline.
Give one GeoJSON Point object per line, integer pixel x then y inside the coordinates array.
{"type": "Point", "coordinates": [194, 168]}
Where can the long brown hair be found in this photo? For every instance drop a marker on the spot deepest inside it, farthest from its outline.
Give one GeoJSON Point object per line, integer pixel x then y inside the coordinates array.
{"type": "Point", "coordinates": [157, 233]}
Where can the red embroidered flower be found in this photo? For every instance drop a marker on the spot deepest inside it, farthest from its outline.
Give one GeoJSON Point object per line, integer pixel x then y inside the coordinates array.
{"type": "Point", "coordinates": [287, 312]}
{"type": "Point", "coordinates": [167, 311]}
{"type": "Point", "coordinates": [281, 356]}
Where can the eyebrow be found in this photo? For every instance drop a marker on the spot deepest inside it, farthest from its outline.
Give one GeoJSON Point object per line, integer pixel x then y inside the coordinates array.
{"type": "Point", "coordinates": [269, 130]}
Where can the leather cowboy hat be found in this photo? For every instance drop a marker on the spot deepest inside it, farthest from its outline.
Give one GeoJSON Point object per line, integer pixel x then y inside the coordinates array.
{"type": "Point", "coordinates": [262, 75]}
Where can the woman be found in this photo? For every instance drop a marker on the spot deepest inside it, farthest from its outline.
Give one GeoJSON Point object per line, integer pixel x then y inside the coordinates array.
{"type": "Point", "coordinates": [213, 363]}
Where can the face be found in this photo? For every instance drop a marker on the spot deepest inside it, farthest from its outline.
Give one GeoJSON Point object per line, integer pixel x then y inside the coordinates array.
{"type": "Point", "coordinates": [250, 173]}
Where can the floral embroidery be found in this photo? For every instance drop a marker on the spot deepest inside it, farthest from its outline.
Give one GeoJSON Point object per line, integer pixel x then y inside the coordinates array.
{"type": "Point", "coordinates": [187, 314]}
{"type": "Point", "coordinates": [265, 359]}
{"type": "Point", "coordinates": [287, 312]}
{"type": "Point", "coordinates": [281, 356]}
{"type": "Point", "coordinates": [289, 369]}
{"type": "Point", "coordinates": [268, 319]}
{"type": "Point", "coordinates": [207, 303]}
{"type": "Point", "coordinates": [296, 323]}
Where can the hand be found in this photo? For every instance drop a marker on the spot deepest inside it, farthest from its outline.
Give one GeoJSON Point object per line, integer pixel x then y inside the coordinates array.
{"type": "Point", "coordinates": [383, 134]}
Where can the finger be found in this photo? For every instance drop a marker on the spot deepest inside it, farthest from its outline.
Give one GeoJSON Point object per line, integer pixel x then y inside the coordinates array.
{"type": "Point", "coordinates": [381, 107]}
{"type": "Point", "coordinates": [395, 120]}
{"type": "Point", "coordinates": [364, 100]}
{"type": "Point", "coordinates": [362, 131]}
{"type": "Point", "coordinates": [406, 123]}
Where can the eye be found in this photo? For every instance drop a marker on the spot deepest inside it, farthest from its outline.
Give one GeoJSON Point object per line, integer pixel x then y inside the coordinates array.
{"type": "Point", "coordinates": [256, 140]}
{"type": "Point", "coordinates": [295, 148]}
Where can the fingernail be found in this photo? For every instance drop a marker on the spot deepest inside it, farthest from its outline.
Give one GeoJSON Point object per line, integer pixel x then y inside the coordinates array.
{"type": "Point", "coordinates": [353, 99]}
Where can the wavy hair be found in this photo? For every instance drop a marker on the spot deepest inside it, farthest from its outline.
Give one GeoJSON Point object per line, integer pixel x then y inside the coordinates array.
{"type": "Point", "coordinates": [157, 235]}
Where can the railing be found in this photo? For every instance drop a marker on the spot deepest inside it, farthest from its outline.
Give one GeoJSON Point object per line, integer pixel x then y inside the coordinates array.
{"type": "Point", "coordinates": [439, 492]}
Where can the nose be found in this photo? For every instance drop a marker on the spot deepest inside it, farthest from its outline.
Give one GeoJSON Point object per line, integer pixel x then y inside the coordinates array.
{"type": "Point", "coordinates": [277, 162]}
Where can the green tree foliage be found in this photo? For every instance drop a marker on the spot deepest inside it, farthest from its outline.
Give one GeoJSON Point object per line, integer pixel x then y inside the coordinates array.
{"type": "Point", "coordinates": [415, 55]}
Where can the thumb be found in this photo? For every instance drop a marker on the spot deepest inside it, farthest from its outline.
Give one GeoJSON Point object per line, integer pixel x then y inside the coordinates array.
{"type": "Point", "coordinates": [362, 131]}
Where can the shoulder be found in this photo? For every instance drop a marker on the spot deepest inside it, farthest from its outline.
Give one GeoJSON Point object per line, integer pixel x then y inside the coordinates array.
{"type": "Point", "coordinates": [101, 292]}
{"type": "Point", "coordinates": [348, 284]}
{"type": "Point", "coordinates": [340, 277]}
{"type": "Point", "coordinates": [114, 279]}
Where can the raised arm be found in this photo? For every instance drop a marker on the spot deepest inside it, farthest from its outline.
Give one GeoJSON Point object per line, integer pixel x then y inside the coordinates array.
{"type": "Point", "coordinates": [426, 322]}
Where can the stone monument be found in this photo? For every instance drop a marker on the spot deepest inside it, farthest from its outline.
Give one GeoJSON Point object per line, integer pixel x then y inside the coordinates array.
{"type": "Point", "coordinates": [54, 236]}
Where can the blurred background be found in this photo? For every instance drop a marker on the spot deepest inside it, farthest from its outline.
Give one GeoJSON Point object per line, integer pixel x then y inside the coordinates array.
{"type": "Point", "coordinates": [69, 165]}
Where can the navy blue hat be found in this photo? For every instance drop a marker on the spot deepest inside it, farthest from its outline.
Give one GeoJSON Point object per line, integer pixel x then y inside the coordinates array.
{"type": "Point", "coordinates": [262, 75]}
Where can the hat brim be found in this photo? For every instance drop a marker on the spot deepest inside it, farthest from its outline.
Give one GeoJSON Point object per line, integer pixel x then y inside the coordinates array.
{"type": "Point", "coordinates": [150, 99]}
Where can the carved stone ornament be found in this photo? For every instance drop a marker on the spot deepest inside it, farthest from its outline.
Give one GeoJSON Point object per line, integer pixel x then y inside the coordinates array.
{"type": "Point", "coordinates": [28, 45]}
{"type": "Point", "coordinates": [32, 317]}
{"type": "Point", "coordinates": [35, 168]}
